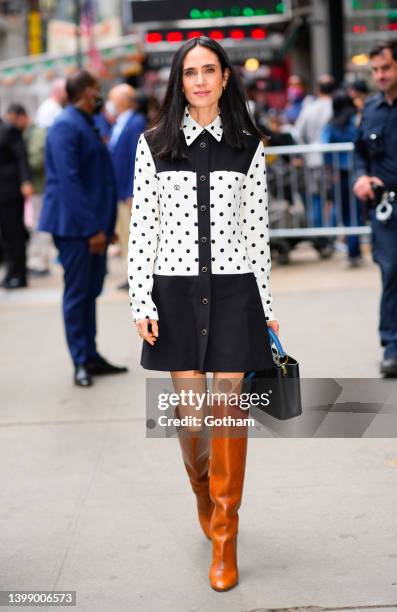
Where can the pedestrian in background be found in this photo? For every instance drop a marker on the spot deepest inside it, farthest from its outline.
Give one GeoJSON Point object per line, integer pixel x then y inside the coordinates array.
{"type": "Point", "coordinates": [52, 106]}
{"type": "Point", "coordinates": [307, 130]}
{"type": "Point", "coordinates": [39, 249]}
{"type": "Point", "coordinates": [104, 122]}
{"type": "Point", "coordinates": [376, 164]}
{"type": "Point", "coordinates": [79, 210]}
{"type": "Point", "coordinates": [128, 125]}
{"type": "Point", "coordinates": [39, 252]}
{"type": "Point", "coordinates": [359, 93]}
{"type": "Point", "coordinates": [15, 186]}
{"type": "Point", "coordinates": [342, 128]}
{"type": "Point", "coordinates": [297, 98]}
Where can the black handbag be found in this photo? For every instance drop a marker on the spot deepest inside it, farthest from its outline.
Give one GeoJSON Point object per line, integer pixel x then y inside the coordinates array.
{"type": "Point", "coordinates": [279, 385]}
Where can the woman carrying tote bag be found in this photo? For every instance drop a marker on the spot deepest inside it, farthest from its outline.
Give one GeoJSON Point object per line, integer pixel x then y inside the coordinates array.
{"type": "Point", "coordinates": [199, 264]}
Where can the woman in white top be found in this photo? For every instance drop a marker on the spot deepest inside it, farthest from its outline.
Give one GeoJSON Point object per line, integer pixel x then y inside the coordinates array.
{"type": "Point", "coordinates": [199, 264]}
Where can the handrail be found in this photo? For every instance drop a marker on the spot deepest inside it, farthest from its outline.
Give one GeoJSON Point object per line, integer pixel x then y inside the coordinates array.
{"type": "Point", "coordinates": [299, 149]}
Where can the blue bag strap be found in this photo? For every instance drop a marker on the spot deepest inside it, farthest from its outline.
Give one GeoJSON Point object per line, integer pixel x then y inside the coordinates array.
{"type": "Point", "coordinates": [274, 339]}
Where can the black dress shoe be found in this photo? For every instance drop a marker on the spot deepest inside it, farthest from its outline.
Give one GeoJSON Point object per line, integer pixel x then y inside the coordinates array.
{"type": "Point", "coordinates": [82, 377]}
{"type": "Point", "coordinates": [36, 273]}
{"type": "Point", "coordinates": [388, 367]}
{"type": "Point", "coordinates": [100, 367]}
{"type": "Point", "coordinates": [13, 283]}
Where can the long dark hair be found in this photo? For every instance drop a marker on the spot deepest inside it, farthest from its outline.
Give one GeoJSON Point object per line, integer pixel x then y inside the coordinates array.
{"type": "Point", "coordinates": [343, 107]}
{"type": "Point", "coordinates": [166, 135]}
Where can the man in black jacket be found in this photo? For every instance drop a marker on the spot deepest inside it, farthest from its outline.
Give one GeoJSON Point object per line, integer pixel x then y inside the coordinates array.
{"type": "Point", "coordinates": [15, 187]}
{"type": "Point", "coordinates": [376, 164]}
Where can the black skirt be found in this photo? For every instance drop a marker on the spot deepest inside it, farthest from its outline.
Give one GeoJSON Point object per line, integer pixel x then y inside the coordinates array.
{"type": "Point", "coordinates": [224, 331]}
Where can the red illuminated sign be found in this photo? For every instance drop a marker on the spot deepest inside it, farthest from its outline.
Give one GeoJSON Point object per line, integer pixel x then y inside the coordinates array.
{"type": "Point", "coordinates": [216, 34]}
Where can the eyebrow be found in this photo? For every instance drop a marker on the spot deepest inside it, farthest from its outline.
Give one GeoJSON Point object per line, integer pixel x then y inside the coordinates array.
{"type": "Point", "coordinates": [204, 66]}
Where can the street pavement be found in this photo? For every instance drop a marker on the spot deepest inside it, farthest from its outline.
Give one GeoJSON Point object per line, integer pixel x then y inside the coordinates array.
{"type": "Point", "coordinates": [88, 503]}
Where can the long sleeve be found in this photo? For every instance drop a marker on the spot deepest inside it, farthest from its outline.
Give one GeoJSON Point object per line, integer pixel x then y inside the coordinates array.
{"type": "Point", "coordinates": [254, 217]}
{"type": "Point", "coordinates": [35, 147]}
{"type": "Point", "coordinates": [299, 129]}
{"type": "Point", "coordinates": [18, 149]}
{"type": "Point", "coordinates": [144, 234]}
{"type": "Point", "coordinates": [63, 157]}
{"type": "Point", "coordinates": [361, 160]}
{"type": "Point", "coordinates": [326, 138]}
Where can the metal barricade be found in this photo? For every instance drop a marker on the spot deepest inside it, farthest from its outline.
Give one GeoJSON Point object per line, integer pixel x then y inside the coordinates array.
{"type": "Point", "coordinates": [310, 190]}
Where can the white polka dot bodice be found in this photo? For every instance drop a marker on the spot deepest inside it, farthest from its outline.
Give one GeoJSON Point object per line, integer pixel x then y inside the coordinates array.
{"type": "Point", "coordinates": [201, 216]}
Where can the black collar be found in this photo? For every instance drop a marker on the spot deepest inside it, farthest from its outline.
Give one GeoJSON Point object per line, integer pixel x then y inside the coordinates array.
{"type": "Point", "coordinates": [86, 116]}
{"type": "Point", "coordinates": [381, 101]}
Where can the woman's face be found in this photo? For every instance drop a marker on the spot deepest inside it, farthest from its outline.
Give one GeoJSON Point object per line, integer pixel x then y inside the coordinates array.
{"type": "Point", "coordinates": [202, 78]}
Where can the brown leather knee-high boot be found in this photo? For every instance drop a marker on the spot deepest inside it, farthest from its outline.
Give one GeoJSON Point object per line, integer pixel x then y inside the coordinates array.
{"type": "Point", "coordinates": [227, 470]}
{"type": "Point", "coordinates": [195, 448]}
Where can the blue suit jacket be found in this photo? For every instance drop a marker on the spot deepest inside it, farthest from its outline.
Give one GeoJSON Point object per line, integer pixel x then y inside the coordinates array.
{"type": "Point", "coordinates": [123, 155]}
{"type": "Point", "coordinates": [80, 197]}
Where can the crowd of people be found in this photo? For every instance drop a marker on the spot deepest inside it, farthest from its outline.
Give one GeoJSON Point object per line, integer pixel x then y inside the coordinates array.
{"type": "Point", "coordinates": [27, 252]}
{"type": "Point", "coordinates": [78, 146]}
{"type": "Point", "coordinates": [84, 146]}
{"type": "Point", "coordinates": [329, 115]}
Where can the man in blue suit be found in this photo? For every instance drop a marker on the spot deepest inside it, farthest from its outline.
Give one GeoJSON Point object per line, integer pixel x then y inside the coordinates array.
{"type": "Point", "coordinates": [79, 210]}
{"type": "Point", "coordinates": [129, 124]}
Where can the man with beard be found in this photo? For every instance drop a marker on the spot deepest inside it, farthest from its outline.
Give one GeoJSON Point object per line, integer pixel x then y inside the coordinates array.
{"type": "Point", "coordinates": [79, 210]}
{"type": "Point", "coordinates": [376, 163]}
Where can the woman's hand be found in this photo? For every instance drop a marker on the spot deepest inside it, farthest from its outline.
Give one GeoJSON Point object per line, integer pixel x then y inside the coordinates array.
{"type": "Point", "coordinates": [143, 331]}
{"type": "Point", "coordinates": [274, 325]}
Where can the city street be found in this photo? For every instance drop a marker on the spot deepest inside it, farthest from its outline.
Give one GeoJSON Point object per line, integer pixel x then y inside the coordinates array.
{"type": "Point", "coordinates": [89, 504]}
{"type": "Point", "coordinates": [199, 141]}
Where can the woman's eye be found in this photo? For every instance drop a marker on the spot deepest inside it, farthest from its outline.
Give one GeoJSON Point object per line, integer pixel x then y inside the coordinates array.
{"type": "Point", "coordinates": [189, 73]}
{"type": "Point", "coordinates": [210, 70]}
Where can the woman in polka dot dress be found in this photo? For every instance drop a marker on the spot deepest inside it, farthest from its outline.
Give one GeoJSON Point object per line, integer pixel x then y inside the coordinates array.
{"type": "Point", "coordinates": [199, 264]}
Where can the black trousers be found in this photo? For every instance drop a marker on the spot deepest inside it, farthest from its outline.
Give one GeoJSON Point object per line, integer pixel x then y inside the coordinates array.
{"type": "Point", "coordinates": [84, 277]}
{"type": "Point", "coordinates": [384, 252]}
{"type": "Point", "coordinates": [13, 235]}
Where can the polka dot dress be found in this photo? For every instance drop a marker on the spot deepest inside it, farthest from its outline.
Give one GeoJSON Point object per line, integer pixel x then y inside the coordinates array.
{"type": "Point", "coordinates": [199, 255]}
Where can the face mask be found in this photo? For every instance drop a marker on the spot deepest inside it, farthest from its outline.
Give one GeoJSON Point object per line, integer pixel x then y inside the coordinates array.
{"type": "Point", "coordinates": [98, 104]}
{"type": "Point", "coordinates": [294, 93]}
{"type": "Point", "coordinates": [110, 109]}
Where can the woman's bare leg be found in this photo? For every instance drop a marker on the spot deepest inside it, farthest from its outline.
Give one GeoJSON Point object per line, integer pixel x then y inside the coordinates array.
{"type": "Point", "coordinates": [195, 382]}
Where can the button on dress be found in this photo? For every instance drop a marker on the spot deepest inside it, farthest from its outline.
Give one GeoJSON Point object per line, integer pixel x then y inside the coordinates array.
{"type": "Point", "coordinates": [199, 255]}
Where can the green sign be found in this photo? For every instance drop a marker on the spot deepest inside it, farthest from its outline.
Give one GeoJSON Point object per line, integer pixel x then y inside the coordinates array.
{"type": "Point", "coordinates": [164, 10]}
